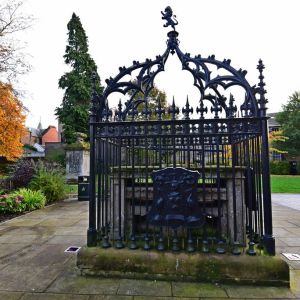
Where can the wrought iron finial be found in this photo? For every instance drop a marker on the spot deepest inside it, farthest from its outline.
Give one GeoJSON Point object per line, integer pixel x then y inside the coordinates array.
{"type": "Point", "coordinates": [169, 17]}
{"type": "Point", "coordinates": [146, 111]}
{"type": "Point", "coordinates": [107, 113]}
{"type": "Point", "coordinates": [187, 110]}
{"type": "Point", "coordinates": [246, 107]}
{"type": "Point", "coordinates": [159, 110]}
{"type": "Point", "coordinates": [173, 110]}
{"type": "Point", "coordinates": [231, 108]}
{"type": "Point", "coordinates": [216, 108]}
{"type": "Point", "coordinates": [201, 110]}
{"type": "Point", "coordinates": [119, 111]}
{"type": "Point", "coordinates": [261, 88]}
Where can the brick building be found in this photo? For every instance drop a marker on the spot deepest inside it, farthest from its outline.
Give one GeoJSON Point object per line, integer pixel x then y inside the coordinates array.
{"type": "Point", "coordinates": [40, 136]}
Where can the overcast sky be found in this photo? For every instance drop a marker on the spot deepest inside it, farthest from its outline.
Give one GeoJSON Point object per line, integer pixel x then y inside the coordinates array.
{"type": "Point", "coordinates": [126, 30]}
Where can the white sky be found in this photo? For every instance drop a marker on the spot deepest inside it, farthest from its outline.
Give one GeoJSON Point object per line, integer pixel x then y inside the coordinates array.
{"type": "Point", "coordinates": [126, 30]}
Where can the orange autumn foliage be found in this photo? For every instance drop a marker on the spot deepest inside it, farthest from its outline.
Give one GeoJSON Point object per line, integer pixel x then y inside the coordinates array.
{"type": "Point", "coordinates": [12, 123]}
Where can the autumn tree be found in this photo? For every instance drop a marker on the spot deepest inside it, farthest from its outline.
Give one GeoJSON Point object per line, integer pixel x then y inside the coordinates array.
{"type": "Point", "coordinates": [289, 119]}
{"type": "Point", "coordinates": [276, 137]}
{"type": "Point", "coordinates": [13, 60]}
{"type": "Point", "coordinates": [12, 126]}
{"type": "Point", "coordinates": [74, 110]}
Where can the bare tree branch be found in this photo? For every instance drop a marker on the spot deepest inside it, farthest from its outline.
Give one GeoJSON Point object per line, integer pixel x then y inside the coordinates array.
{"type": "Point", "coordinates": [13, 61]}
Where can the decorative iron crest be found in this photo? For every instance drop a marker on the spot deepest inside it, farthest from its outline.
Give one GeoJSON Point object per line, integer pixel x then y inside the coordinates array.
{"type": "Point", "coordinates": [175, 199]}
{"type": "Point", "coordinates": [199, 67]}
{"type": "Point", "coordinates": [169, 17]}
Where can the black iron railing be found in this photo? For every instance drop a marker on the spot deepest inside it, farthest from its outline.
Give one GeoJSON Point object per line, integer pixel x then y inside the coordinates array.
{"type": "Point", "coordinates": [213, 188]}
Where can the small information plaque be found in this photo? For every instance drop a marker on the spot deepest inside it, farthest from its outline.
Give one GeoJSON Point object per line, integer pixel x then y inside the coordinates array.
{"type": "Point", "coordinates": [72, 249]}
{"type": "Point", "coordinates": [291, 256]}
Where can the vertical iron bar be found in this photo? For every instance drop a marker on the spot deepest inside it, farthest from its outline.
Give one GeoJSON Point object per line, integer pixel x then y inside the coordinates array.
{"type": "Point", "coordinates": [119, 243]}
{"type": "Point", "coordinates": [268, 239]}
{"type": "Point", "coordinates": [92, 231]}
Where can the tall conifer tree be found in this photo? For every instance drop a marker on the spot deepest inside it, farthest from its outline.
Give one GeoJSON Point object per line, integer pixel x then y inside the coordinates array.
{"type": "Point", "coordinates": [73, 113]}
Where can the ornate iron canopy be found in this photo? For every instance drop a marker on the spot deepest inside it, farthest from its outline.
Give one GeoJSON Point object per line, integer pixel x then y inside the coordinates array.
{"type": "Point", "coordinates": [210, 87]}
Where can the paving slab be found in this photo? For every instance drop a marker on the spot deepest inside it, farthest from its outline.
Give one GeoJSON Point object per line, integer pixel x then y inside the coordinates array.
{"type": "Point", "coordinates": [43, 296]}
{"type": "Point", "coordinates": [41, 255]}
{"type": "Point", "coordinates": [144, 287]}
{"type": "Point", "coordinates": [10, 249]}
{"type": "Point", "coordinates": [291, 241]}
{"type": "Point", "coordinates": [259, 292]}
{"type": "Point", "coordinates": [71, 240]}
{"type": "Point", "coordinates": [27, 278]}
{"type": "Point", "coordinates": [185, 289]}
{"type": "Point", "coordinates": [34, 266]}
{"type": "Point", "coordinates": [10, 295]}
{"type": "Point", "coordinates": [114, 297]}
{"type": "Point", "coordinates": [54, 222]}
{"type": "Point", "coordinates": [164, 298]}
{"type": "Point", "coordinates": [75, 284]}
{"type": "Point", "coordinates": [21, 222]}
{"type": "Point", "coordinates": [288, 200]}
{"type": "Point", "coordinates": [71, 230]}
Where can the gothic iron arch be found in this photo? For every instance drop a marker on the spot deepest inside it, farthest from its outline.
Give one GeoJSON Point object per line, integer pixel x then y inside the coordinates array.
{"type": "Point", "coordinates": [199, 67]}
{"type": "Point", "coordinates": [125, 152]}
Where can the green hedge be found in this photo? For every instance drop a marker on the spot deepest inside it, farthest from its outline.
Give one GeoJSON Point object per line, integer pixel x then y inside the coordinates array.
{"type": "Point", "coordinates": [280, 167]}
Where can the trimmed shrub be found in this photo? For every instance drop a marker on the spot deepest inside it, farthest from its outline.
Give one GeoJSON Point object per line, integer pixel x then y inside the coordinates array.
{"type": "Point", "coordinates": [49, 179]}
{"type": "Point", "coordinates": [279, 167]}
{"type": "Point", "coordinates": [22, 173]}
{"type": "Point", "coordinates": [31, 199]}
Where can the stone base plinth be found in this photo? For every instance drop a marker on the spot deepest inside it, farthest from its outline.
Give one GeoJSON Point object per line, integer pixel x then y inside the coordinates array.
{"type": "Point", "coordinates": [124, 263]}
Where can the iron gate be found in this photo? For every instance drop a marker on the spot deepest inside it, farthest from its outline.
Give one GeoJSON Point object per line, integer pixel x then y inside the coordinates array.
{"type": "Point", "coordinates": [181, 178]}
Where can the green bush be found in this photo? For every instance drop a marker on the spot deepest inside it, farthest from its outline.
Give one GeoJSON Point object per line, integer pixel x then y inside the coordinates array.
{"type": "Point", "coordinates": [279, 167]}
{"type": "Point", "coordinates": [31, 199]}
{"type": "Point", "coordinates": [11, 203]}
{"type": "Point", "coordinates": [21, 200]}
{"type": "Point", "coordinates": [298, 167]}
{"type": "Point", "coordinates": [49, 179]}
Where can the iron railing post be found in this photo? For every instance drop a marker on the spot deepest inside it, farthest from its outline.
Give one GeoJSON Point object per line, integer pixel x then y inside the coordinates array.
{"type": "Point", "coordinates": [92, 231]}
{"type": "Point", "coordinates": [268, 239]}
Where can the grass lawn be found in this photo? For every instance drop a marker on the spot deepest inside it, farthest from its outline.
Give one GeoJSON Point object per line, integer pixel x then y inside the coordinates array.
{"type": "Point", "coordinates": [279, 183]}
{"type": "Point", "coordinates": [71, 188]}
{"type": "Point", "coordinates": [285, 184]}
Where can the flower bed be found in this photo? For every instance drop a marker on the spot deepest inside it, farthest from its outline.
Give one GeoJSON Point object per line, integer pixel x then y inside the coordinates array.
{"type": "Point", "coordinates": [19, 202]}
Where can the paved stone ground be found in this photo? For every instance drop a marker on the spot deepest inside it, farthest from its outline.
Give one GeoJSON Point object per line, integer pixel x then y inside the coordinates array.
{"type": "Point", "coordinates": [33, 264]}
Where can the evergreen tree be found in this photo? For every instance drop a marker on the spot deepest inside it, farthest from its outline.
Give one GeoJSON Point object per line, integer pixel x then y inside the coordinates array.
{"type": "Point", "coordinates": [74, 110]}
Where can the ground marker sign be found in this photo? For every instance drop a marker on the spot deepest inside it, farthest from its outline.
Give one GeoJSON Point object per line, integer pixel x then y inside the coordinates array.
{"type": "Point", "coordinates": [291, 256]}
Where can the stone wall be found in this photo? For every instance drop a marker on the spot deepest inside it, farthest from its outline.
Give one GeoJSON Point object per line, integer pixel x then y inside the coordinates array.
{"type": "Point", "coordinates": [77, 163]}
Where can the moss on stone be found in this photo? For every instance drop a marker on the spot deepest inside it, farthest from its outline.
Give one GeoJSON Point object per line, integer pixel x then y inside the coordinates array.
{"type": "Point", "coordinates": [193, 267]}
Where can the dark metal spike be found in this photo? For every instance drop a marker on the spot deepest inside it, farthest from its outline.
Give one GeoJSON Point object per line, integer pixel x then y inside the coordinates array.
{"type": "Point", "coordinates": [159, 110]}
{"type": "Point", "coordinates": [173, 110]}
{"type": "Point", "coordinates": [187, 109]}
{"type": "Point", "coordinates": [119, 111]}
{"type": "Point", "coordinates": [261, 88]}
